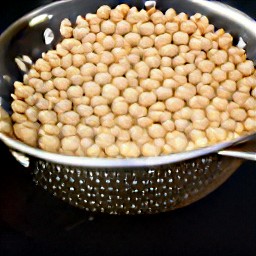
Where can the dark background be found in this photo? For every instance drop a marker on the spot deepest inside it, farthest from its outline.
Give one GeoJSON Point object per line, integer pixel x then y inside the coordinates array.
{"type": "Point", "coordinates": [32, 222]}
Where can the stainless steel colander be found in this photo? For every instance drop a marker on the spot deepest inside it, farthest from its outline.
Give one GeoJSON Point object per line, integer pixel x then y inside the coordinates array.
{"type": "Point", "coordinates": [121, 186]}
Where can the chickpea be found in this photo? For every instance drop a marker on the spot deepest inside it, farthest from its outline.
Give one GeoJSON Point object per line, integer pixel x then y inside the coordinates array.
{"type": "Point", "coordinates": [180, 38]}
{"type": "Point", "coordinates": [176, 140]}
{"type": "Point", "coordinates": [195, 77]}
{"type": "Point", "coordinates": [219, 75]}
{"type": "Point", "coordinates": [163, 40]}
{"type": "Point", "coordinates": [172, 27]}
{"type": "Point", "coordinates": [235, 75]}
{"type": "Point", "coordinates": [156, 131]}
{"type": "Point", "coordinates": [130, 95]}
{"type": "Point", "coordinates": [146, 29]}
{"type": "Point", "coordinates": [229, 124]}
{"type": "Point", "coordinates": [112, 151]}
{"type": "Point", "coordinates": [198, 102]}
{"type": "Point", "coordinates": [117, 70]}
{"type": "Point", "coordinates": [169, 50]}
{"type": "Point", "coordinates": [206, 66]}
{"type": "Point", "coordinates": [188, 27]}
{"type": "Point", "coordinates": [142, 69]}
{"type": "Point", "coordinates": [174, 104]}
{"type": "Point", "coordinates": [120, 108]}
{"type": "Point", "coordinates": [220, 104]}
{"type": "Point", "coordinates": [150, 149]}
{"type": "Point", "coordinates": [149, 84]}
{"type": "Point", "coordinates": [69, 117]}
{"type": "Point", "coordinates": [199, 138]}
{"type": "Point", "coordinates": [137, 111]}
{"type": "Point", "coordinates": [185, 92]}
{"type": "Point", "coordinates": [26, 134]}
{"type": "Point", "coordinates": [104, 12]}
{"type": "Point", "coordinates": [146, 99]}
{"type": "Point", "coordinates": [249, 124]}
{"type": "Point", "coordinates": [129, 149]}
{"type": "Point", "coordinates": [246, 68]}
{"type": "Point", "coordinates": [238, 114]}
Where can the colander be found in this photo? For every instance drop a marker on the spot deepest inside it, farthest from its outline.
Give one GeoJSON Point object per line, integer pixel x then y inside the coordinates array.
{"type": "Point", "coordinates": [121, 186]}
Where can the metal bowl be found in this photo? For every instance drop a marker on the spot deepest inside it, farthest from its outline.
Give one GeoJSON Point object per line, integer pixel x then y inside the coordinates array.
{"type": "Point", "coordinates": [120, 186]}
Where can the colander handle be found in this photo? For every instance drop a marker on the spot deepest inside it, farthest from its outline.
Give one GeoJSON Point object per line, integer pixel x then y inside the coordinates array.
{"type": "Point", "coordinates": [246, 151]}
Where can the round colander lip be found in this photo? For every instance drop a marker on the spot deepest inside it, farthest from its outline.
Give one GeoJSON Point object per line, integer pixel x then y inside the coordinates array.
{"type": "Point", "coordinates": [119, 162]}
{"type": "Point", "coordinates": [125, 162]}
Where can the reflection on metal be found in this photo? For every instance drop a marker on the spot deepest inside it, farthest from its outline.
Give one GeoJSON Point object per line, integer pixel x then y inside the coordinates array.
{"type": "Point", "coordinates": [39, 19]}
{"type": "Point", "coordinates": [7, 78]}
{"type": "Point", "coordinates": [150, 4]}
{"type": "Point", "coordinates": [241, 43]}
{"type": "Point", "coordinates": [48, 36]}
{"type": "Point", "coordinates": [24, 63]}
{"type": "Point", "coordinates": [22, 159]}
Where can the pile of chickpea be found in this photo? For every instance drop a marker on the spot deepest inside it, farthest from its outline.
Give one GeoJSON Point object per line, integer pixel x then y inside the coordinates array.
{"type": "Point", "coordinates": [129, 83]}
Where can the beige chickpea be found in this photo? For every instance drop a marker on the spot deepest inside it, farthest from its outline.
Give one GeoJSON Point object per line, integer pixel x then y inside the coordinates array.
{"type": "Point", "coordinates": [146, 99]}
{"type": "Point", "coordinates": [199, 138]}
{"type": "Point", "coordinates": [218, 57]}
{"type": "Point", "coordinates": [23, 91]}
{"type": "Point", "coordinates": [19, 118]}
{"type": "Point", "coordinates": [169, 50]}
{"type": "Point", "coordinates": [137, 111]}
{"type": "Point", "coordinates": [249, 124]}
{"type": "Point", "coordinates": [108, 120]}
{"type": "Point", "coordinates": [174, 104]}
{"type": "Point", "coordinates": [195, 77]}
{"type": "Point", "coordinates": [164, 93]}
{"type": "Point", "coordinates": [250, 104]}
{"type": "Point", "coordinates": [163, 40]}
{"type": "Point", "coordinates": [88, 69]}
{"type": "Point", "coordinates": [121, 83]}
{"type": "Point", "coordinates": [67, 130]}
{"type": "Point", "coordinates": [229, 125]}
{"type": "Point", "coordinates": [146, 42]}
{"type": "Point", "coordinates": [156, 74]}
{"type": "Point", "coordinates": [123, 27]}
{"type": "Point", "coordinates": [63, 106]}
{"type": "Point", "coordinates": [144, 121]}
{"type": "Point", "coordinates": [198, 102]}
{"type": "Point", "coordinates": [153, 61]}
{"type": "Point", "coordinates": [142, 69]}
{"type": "Point", "coordinates": [19, 106]}
{"type": "Point", "coordinates": [166, 62]}
{"type": "Point", "coordinates": [104, 140]}
{"type": "Point", "coordinates": [93, 151]}
{"type": "Point", "coordinates": [89, 38]}
{"type": "Point", "coordinates": [120, 108]}
{"type": "Point", "coordinates": [46, 75]}
{"type": "Point", "coordinates": [177, 140]}
{"type": "Point", "coordinates": [181, 124]}
{"type": "Point", "coordinates": [246, 68]}
{"type": "Point", "coordinates": [178, 61]}
{"type": "Point", "coordinates": [219, 75]}
{"type": "Point", "coordinates": [49, 143]}
{"type": "Point", "coordinates": [32, 113]}
{"type": "Point", "coordinates": [117, 70]}
{"type": "Point", "coordinates": [69, 117]}
{"type": "Point", "coordinates": [206, 66]}
{"type": "Point", "coordinates": [235, 75]}
{"type": "Point", "coordinates": [70, 143]}
{"type": "Point", "coordinates": [180, 38]}
{"type": "Point", "coordinates": [225, 41]}
{"type": "Point", "coordinates": [101, 110]}
{"type": "Point", "coordinates": [42, 65]}
{"type": "Point", "coordinates": [238, 114]}
{"type": "Point", "coordinates": [160, 29]}
{"type": "Point", "coordinates": [110, 92]}
{"type": "Point", "coordinates": [228, 66]}
{"type": "Point", "coordinates": [131, 95]}
{"type": "Point", "coordinates": [240, 97]}
{"type": "Point", "coordinates": [92, 88]}
{"type": "Point", "coordinates": [47, 117]}
{"type": "Point", "coordinates": [220, 104]}
{"type": "Point", "coordinates": [26, 133]}
{"type": "Point", "coordinates": [172, 27]}
{"type": "Point", "coordinates": [149, 84]}
{"type": "Point", "coordinates": [132, 38]}
{"type": "Point", "coordinates": [97, 101]}
{"type": "Point", "coordinates": [112, 150]}
{"type": "Point", "coordinates": [188, 27]}
{"type": "Point", "coordinates": [146, 29]}
{"type": "Point", "coordinates": [107, 58]}
{"type": "Point", "coordinates": [129, 149]}
{"type": "Point", "coordinates": [78, 60]}
{"type": "Point", "coordinates": [75, 91]}
{"type": "Point", "coordinates": [43, 104]}
{"type": "Point", "coordinates": [150, 149]}
{"type": "Point", "coordinates": [136, 132]}
{"type": "Point", "coordinates": [185, 92]}
{"type": "Point", "coordinates": [92, 121]}
{"type": "Point", "coordinates": [124, 121]}
{"type": "Point", "coordinates": [104, 12]}
{"type": "Point", "coordinates": [156, 131]}
{"type": "Point", "coordinates": [206, 91]}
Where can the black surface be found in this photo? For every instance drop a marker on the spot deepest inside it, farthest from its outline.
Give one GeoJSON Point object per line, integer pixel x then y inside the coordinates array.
{"type": "Point", "coordinates": [32, 222]}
